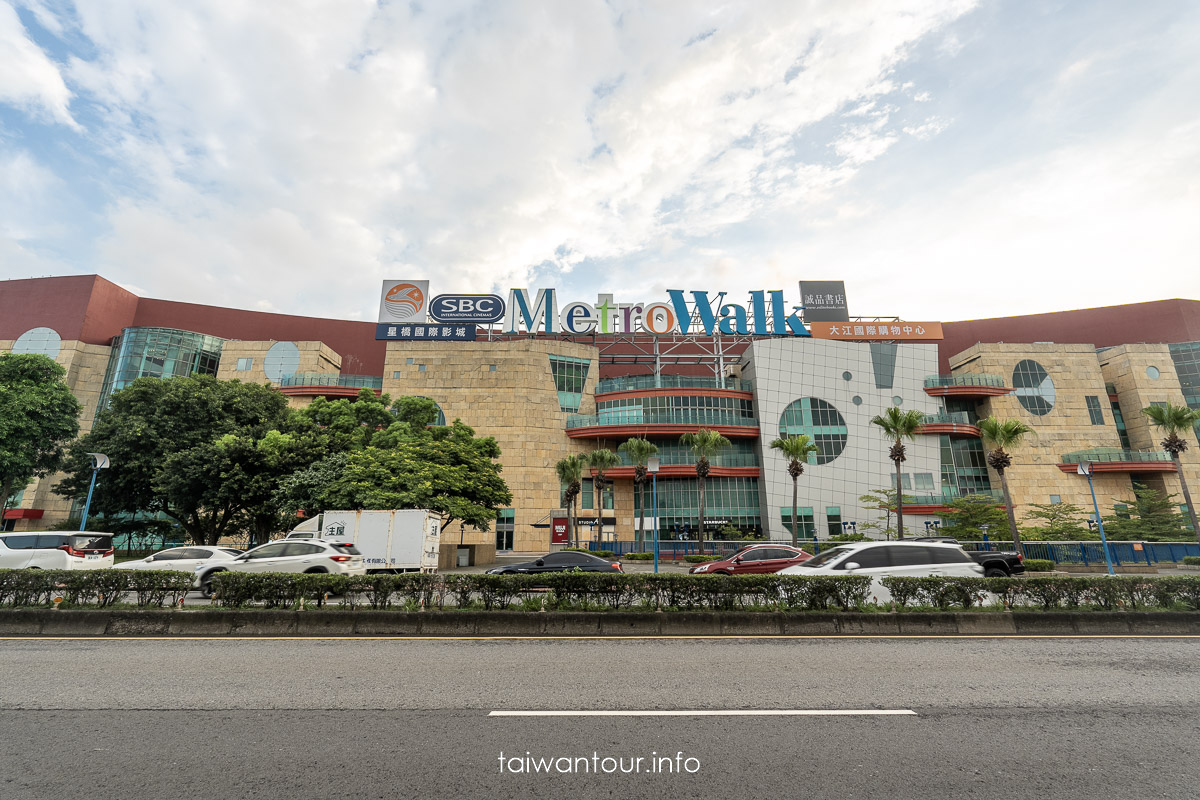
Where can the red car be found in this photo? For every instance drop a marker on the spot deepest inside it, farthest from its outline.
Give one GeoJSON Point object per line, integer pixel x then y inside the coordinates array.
{"type": "Point", "coordinates": [757, 559]}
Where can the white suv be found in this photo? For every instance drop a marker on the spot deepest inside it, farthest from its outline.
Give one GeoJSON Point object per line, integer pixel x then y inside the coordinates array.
{"type": "Point", "coordinates": [882, 559]}
{"type": "Point", "coordinates": [67, 550]}
{"type": "Point", "coordinates": [314, 556]}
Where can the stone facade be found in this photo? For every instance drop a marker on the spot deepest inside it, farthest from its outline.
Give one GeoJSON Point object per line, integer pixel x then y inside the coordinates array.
{"type": "Point", "coordinates": [503, 389]}
{"type": "Point", "coordinates": [315, 358]}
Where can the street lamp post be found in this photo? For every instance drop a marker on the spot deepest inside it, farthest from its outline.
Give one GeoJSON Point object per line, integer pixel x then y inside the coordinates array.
{"type": "Point", "coordinates": [99, 462]}
{"type": "Point", "coordinates": [1085, 468]}
{"type": "Point", "coordinates": [652, 467]}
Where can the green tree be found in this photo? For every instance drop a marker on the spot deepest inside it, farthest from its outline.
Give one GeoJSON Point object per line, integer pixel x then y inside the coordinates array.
{"type": "Point", "coordinates": [640, 451]}
{"type": "Point", "coordinates": [570, 474]}
{"type": "Point", "coordinates": [446, 469]}
{"type": "Point", "coordinates": [796, 449]}
{"type": "Point", "coordinates": [167, 441]}
{"type": "Point", "coordinates": [1152, 517]}
{"type": "Point", "coordinates": [350, 424]}
{"type": "Point", "coordinates": [703, 444]}
{"type": "Point", "coordinates": [896, 426]}
{"type": "Point", "coordinates": [1174, 420]}
{"type": "Point", "coordinates": [600, 460]}
{"type": "Point", "coordinates": [885, 501]}
{"type": "Point", "coordinates": [1057, 522]}
{"type": "Point", "coordinates": [38, 416]}
{"type": "Point", "coordinates": [965, 516]}
{"type": "Point", "coordinates": [1001, 434]}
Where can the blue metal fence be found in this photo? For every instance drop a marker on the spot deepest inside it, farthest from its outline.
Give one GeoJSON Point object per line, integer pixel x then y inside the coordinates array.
{"type": "Point", "coordinates": [1081, 553]}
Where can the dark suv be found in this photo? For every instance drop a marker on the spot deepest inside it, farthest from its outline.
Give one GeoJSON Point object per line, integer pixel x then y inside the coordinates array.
{"type": "Point", "coordinates": [995, 563]}
{"type": "Point", "coordinates": [755, 559]}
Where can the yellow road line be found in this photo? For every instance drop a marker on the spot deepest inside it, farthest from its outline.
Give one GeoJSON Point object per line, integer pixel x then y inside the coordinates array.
{"type": "Point", "coordinates": [218, 637]}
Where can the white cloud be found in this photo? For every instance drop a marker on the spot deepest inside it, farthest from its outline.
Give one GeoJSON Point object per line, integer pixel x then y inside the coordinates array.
{"type": "Point", "coordinates": [28, 78]}
{"type": "Point", "coordinates": [271, 155]}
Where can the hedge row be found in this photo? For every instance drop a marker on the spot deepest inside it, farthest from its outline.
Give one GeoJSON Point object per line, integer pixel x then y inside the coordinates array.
{"type": "Point", "coordinates": [92, 587]}
{"type": "Point", "coordinates": [699, 592]}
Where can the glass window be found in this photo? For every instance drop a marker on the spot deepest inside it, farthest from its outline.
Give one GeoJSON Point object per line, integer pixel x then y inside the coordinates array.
{"type": "Point", "coordinates": [587, 494]}
{"type": "Point", "coordinates": [833, 520]}
{"type": "Point", "coordinates": [269, 550]}
{"type": "Point", "coordinates": [172, 555]}
{"type": "Point", "coordinates": [1055, 499]}
{"type": "Point", "coordinates": [397, 375]}
{"type": "Point", "coordinates": [245, 364]}
{"type": "Point", "coordinates": [948, 555]}
{"type": "Point", "coordinates": [1034, 389]}
{"type": "Point", "coordinates": [302, 549]}
{"type": "Point", "coordinates": [808, 527]}
{"type": "Point", "coordinates": [1152, 373]}
{"type": "Point", "coordinates": [911, 556]}
{"type": "Point", "coordinates": [872, 557]}
{"type": "Point", "coordinates": [158, 353]}
{"type": "Point", "coordinates": [51, 541]}
{"type": "Point", "coordinates": [1094, 410]}
{"type": "Point", "coordinates": [20, 542]}
{"type": "Point", "coordinates": [570, 375]}
{"type": "Point", "coordinates": [923, 481]}
{"type": "Point", "coordinates": [39, 341]}
{"type": "Point", "coordinates": [821, 422]}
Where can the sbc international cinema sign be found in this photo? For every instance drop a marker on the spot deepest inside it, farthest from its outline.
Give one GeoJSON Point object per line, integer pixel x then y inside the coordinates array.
{"type": "Point", "coordinates": [406, 311]}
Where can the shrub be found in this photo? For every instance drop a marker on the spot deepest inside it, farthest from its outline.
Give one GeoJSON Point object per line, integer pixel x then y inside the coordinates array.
{"type": "Point", "coordinates": [1191, 561]}
{"type": "Point", "coordinates": [700, 559]}
{"type": "Point", "coordinates": [1039, 565]}
{"type": "Point", "coordinates": [639, 556]}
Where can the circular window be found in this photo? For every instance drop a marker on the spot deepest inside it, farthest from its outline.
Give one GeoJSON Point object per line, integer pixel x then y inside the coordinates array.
{"type": "Point", "coordinates": [846, 376]}
{"type": "Point", "coordinates": [1034, 389]}
{"type": "Point", "coordinates": [897, 400]}
{"type": "Point", "coordinates": [282, 361]}
{"type": "Point", "coordinates": [821, 422]}
{"type": "Point", "coordinates": [1152, 373]}
{"type": "Point", "coordinates": [38, 341]}
{"type": "Point", "coordinates": [856, 400]}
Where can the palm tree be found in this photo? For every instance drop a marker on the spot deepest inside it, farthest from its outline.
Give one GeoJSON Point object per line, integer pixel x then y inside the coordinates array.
{"type": "Point", "coordinates": [1174, 420]}
{"type": "Point", "coordinates": [639, 451]}
{"type": "Point", "coordinates": [1001, 434]}
{"type": "Point", "coordinates": [601, 460]}
{"type": "Point", "coordinates": [703, 444]}
{"type": "Point", "coordinates": [898, 425]}
{"type": "Point", "coordinates": [796, 449]}
{"type": "Point", "coordinates": [570, 473]}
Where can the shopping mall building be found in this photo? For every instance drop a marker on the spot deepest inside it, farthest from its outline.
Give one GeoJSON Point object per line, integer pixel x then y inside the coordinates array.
{"type": "Point", "coordinates": [548, 379]}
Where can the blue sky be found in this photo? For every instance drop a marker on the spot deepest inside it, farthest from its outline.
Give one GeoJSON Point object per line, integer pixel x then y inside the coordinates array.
{"type": "Point", "coordinates": [947, 159]}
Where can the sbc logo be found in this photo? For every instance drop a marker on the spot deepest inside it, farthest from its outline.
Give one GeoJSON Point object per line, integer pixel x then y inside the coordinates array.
{"type": "Point", "coordinates": [404, 300]}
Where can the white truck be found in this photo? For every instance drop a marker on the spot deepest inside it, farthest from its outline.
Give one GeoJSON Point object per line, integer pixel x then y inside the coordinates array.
{"type": "Point", "coordinates": [400, 540]}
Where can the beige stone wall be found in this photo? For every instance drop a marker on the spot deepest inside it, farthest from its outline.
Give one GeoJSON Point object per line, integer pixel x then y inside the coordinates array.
{"type": "Point", "coordinates": [516, 403]}
{"type": "Point", "coordinates": [85, 365]}
{"type": "Point", "coordinates": [315, 357]}
{"type": "Point", "coordinates": [1076, 374]}
{"type": "Point", "coordinates": [1126, 368]}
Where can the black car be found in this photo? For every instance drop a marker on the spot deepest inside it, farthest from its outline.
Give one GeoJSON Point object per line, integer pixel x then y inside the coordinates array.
{"type": "Point", "coordinates": [995, 563]}
{"type": "Point", "coordinates": [564, 561]}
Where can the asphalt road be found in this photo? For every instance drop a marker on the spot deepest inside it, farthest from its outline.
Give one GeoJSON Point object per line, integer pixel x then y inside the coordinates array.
{"type": "Point", "coordinates": [1047, 718]}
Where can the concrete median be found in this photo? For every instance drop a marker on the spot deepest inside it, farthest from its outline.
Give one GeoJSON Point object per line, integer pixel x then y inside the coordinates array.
{"type": "Point", "coordinates": [255, 622]}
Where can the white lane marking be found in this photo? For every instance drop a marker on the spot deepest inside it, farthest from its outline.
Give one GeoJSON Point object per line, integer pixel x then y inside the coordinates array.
{"type": "Point", "coordinates": [733, 712]}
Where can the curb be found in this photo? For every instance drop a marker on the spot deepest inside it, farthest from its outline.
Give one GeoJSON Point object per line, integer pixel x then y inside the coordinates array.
{"type": "Point", "coordinates": [230, 622]}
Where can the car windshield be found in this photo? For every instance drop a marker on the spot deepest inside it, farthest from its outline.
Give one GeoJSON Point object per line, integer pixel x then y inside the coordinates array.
{"type": "Point", "coordinates": [826, 557]}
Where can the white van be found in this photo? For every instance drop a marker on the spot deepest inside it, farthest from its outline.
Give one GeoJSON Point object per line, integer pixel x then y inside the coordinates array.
{"type": "Point", "coordinates": [66, 550]}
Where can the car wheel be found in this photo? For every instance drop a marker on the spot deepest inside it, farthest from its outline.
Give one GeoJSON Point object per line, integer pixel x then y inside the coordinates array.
{"type": "Point", "coordinates": [314, 571]}
{"type": "Point", "coordinates": [206, 586]}
{"type": "Point", "coordinates": [720, 572]}
{"type": "Point", "coordinates": [994, 572]}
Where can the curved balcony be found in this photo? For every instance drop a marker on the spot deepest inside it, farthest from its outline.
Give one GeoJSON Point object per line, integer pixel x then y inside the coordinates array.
{"type": "Point", "coordinates": [980, 385]}
{"type": "Point", "coordinates": [689, 471]}
{"type": "Point", "coordinates": [1115, 459]}
{"type": "Point", "coordinates": [636, 422]}
{"type": "Point", "coordinates": [637, 383]}
{"type": "Point", "coordinates": [330, 385]}
{"type": "Point", "coordinates": [950, 423]}
{"type": "Point", "coordinates": [940, 502]}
